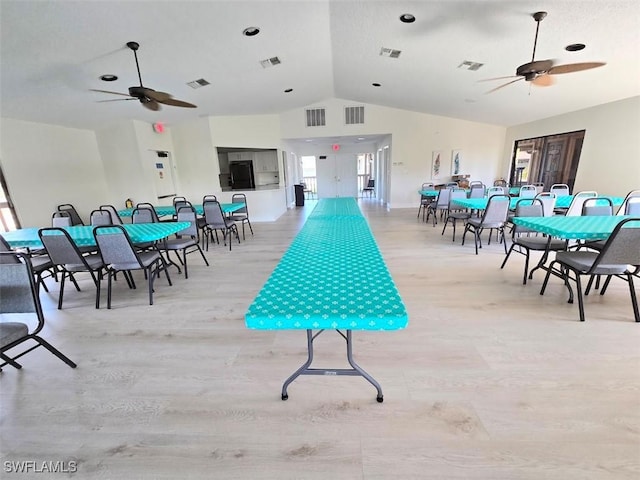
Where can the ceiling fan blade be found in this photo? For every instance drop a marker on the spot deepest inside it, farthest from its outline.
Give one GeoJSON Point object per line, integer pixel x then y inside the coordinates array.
{"type": "Point", "coordinates": [177, 103]}
{"type": "Point", "coordinates": [150, 104]}
{"type": "Point", "coordinates": [544, 80]}
{"type": "Point", "coordinates": [116, 100]}
{"type": "Point", "coordinates": [497, 78]}
{"type": "Point", "coordinates": [155, 95]}
{"type": "Point", "coordinates": [113, 93]}
{"type": "Point", "coordinates": [504, 85]}
{"type": "Point", "coordinates": [574, 67]}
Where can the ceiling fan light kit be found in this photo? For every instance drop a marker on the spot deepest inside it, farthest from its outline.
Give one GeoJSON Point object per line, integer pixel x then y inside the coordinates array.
{"type": "Point", "coordinates": [539, 72]}
{"type": "Point", "coordinates": [148, 97]}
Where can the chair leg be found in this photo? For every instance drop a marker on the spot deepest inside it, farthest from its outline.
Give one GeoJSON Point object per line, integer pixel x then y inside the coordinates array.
{"type": "Point", "coordinates": [634, 299]}
{"type": "Point", "coordinates": [10, 361]}
{"type": "Point", "coordinates": [184, 262]}
{"type": "Point", "coordinates": [504, 262]}
{"type": "Point", "coordinates": [54, 350]}
{"type": "Point", "coordinates": [60, 295]}
{"type": "Point", "coordinates": [202, 254]}
{"type": "Point", "coordinates": [580, 299]}
{"type": "Point", "coordinates": [546, 278]}
{"type": "Point", "coordinates": [526, 266]}
{"type": "Point", "coordinates": [109, 281]}
{"type": "Point", "coordinates": [250, 227]}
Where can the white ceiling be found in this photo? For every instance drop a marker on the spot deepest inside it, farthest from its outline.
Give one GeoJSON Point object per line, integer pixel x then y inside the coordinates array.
{"type": "Point", "coordinates": [53, 52]}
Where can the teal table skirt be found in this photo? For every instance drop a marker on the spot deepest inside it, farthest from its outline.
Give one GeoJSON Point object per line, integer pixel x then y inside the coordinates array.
{"type": "Point", "coordinates": [331, 277]}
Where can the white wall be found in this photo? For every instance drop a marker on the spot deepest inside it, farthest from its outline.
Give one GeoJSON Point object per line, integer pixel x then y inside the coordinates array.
{"type": "Point", "coordinates": [610, 158]}
{"type": "Point", "coordinates": [47, 165]}
{"type": "Point", "coordinates": [415, 136]}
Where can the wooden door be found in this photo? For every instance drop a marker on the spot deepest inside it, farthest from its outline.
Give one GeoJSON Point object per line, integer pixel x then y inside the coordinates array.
{"type": "Point", "coordinates": [553, 161]}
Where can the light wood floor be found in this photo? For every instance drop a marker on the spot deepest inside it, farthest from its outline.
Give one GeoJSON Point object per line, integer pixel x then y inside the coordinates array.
{"type": "Point", "coordinates": [489, 381]}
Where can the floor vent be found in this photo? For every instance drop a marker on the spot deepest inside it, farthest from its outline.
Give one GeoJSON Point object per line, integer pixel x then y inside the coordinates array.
{"type": "Point", "coordinates": [315, 117]}
{"type": "Point", "coordinates": [354, 115]}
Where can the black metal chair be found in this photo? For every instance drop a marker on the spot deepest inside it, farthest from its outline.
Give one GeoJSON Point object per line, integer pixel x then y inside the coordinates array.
{"type": "Point", "coordinates": [186, 240]}
{"type": "Point", "coordinates": [242, 214]}
{"type": "Point", "coordinates": [494, 217]}
{"type": "Point", "coordinates": [620, 251]}
{"type": "Point", "coordinates": [215, 220]}
{"type": "Point", "coordinates": [523, 242]}
{"type": "Point", "coordinates": [68, 259]}
{"type": "Point", "coordinates": [19, 295]}
{"type": "Point", "coordinates": [370, 188]}
{"type": "Point", "coordinates": [120, 255]}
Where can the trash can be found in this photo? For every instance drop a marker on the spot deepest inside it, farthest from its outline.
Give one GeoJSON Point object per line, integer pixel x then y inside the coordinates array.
{"type": "Point", "coordinates": [299, 191]}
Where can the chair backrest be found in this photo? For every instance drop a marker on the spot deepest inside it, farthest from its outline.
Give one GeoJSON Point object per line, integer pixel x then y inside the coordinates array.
{"type": "Point", "coordinates": [5, 247]}
{"type": "Point", "coordinates": [427, 186]}
{"type": "Point", "coordinates": [60, 247]}
{"type": "Point", "coordinates": [455, 194]}
{"type": "Point", "coordinates": [539, 187]}
{"type": "Point", "coordinates": [178, 200]}
{"type": "Point", "coordinates": [631, 204]}
{"type": "Point", "coordinates": [18, 289]}
{"type": "Point", "coordinates": [115, 218]}
{"type": "Point", "coordinates": [209, 198]}
{"type": "Point", "coordinates": [451, 184]}
{"type": "Point", "coordinates": [241, 198]}
{"type": "Point", "coordinates": [61, 219]}
{"type": "Point", "coordinates": [115, 246]}
{"type": "Point", "coordinates": [560, 189]}
{"type": "Point", "coordinates": [478, 190]}
{"type": "Point", "coordinates": [371, 183]}
{"type": "Point", "coordinates": [621, 248]}
{"type": "Point", "coordinates": [575, 208]}
{"type": "Point", "coordinates": [548, 200]}
{"type": "Point", "coordinates": [528, 207]}
{"type": "Point", "coordinates": [602, 206]}
{"type": "Point", "coordinates": [528, 191]}
{"type": "Point", "coordinates": [475, 182]}
{"type": "Point", "coordinates": [188, 214]}
{"type": "Point", "coordinates": [443, 198]}
{"type": "Point", "coordinates": [101, 217]}
{"type": "Point", "coordinates": [495, 190]}
{"type": "Point", "coordinates": [497, 209]}
{"type": "Point", "coordinates": [73, 213]}
{"type": "Point", "coordinates": [143, 215]}
{"type": "Point", "coordinates": [500, 183]}
{"type": "Point", "coordinates": [213, 215]}
{"type": "Point", "coordinates": [152, 212]}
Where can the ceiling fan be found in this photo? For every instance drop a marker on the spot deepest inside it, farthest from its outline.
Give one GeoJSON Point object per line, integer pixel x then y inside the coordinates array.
{"type": "Point", "coordinates": [148, 97]}
{"type": "Point", "coordinates": [539, 72]}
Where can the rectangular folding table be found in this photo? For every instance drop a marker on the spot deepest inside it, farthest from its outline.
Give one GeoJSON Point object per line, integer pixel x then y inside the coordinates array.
{"type": "Point", "coordinates": [82, 236]}
{"type": "Point", "coordinates": [331, 277]}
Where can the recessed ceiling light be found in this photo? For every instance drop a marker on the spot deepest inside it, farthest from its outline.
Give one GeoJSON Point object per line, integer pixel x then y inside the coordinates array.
{"type": "Point", "coordinates": [376, 84]}
{"type": "Point", "coordinates": [288, 90]}
{"type": "Point", "coordinates": [108, 77]}
{"type": "Point", "coordinates": [251, 31]}
{"type": "Point", "coordinates": [360, 138]}
{"type": "Point", "coordinates": [407, 18]}
{"type": "Point", "coordinates": [575, 47]}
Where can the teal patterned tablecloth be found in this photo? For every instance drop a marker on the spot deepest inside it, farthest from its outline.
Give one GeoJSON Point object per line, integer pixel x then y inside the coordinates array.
{"type": "Point", "coordinates": [589, 227]}
{"type": "Point", "coordinates": [562, 201]}
{"type": "Point", "coordinates": [83, 235]}
{"type": "Point", "coordinates": [331, 277]}
{"type": "Point", "coordinates": [168, 210]}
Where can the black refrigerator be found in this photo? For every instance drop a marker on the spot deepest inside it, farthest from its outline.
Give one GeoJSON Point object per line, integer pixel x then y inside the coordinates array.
{"type": "Point", "coordinates": [241, 175]}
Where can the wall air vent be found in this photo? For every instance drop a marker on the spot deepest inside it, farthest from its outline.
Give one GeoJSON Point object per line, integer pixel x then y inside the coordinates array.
{"type": "Point", "coordinates": [353, 115]}
{"type": "Point", "coordinates": [390, 52]}
{"type": "Point", "coordinates": [270, 62]}
{"type": "Point", "coordinates": [315, 117]}
{"type": "Point", "coordinates": [198, 83]}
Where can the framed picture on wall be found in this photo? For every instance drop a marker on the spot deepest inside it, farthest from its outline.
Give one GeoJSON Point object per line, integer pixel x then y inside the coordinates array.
{"type": "Point", "coordinates": [436, 164]}
{"type": "Point", "coordinates": [456, 162]}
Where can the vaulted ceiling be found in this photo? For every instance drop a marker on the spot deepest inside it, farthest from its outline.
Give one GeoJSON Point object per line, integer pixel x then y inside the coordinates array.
{"type": "Point", "coordinates": [53, 53]}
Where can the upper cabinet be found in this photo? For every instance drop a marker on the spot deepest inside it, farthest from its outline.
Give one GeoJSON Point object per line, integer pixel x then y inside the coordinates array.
{"type": "Point", "coordinates": [240, 156]}
{"type": "Point", "coordinates": [266, 161]}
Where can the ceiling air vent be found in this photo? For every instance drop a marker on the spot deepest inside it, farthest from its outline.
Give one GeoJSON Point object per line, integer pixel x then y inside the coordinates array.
{"type": "Point", "coordinates": [198, 83]}
{"type": "Point", "coordinates": [390, 52]}
{"type": "Point", "coordinates": [353, 115]}
{"type": "Point", "coordinates": [315, 117]}
{"type": "Point", "coordinates": [270, 62]}
{"type": "Point", "coordinates": [469, 65]}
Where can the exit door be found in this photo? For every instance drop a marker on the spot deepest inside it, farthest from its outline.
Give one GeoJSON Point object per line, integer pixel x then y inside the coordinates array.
{"type": "Point", "coordinates": [337, 176]}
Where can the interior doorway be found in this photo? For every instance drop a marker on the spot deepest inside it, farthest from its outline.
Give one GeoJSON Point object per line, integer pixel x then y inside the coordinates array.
{"type": "Point", "coordinates": [547, 160]}
{"type": "Point", "coordinates": [8, 217]}
{"type": "Point", "coordinates": [337, 176]}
